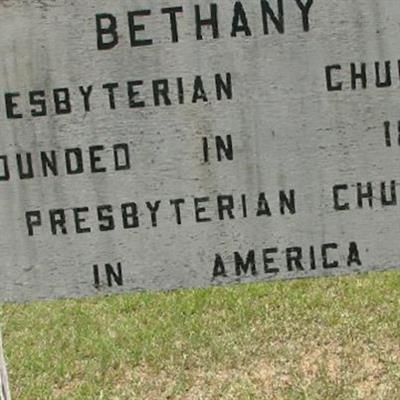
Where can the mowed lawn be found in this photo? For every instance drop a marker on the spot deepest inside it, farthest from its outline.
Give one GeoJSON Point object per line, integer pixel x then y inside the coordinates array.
{"type": "Point", "coordinates": [334, 338]}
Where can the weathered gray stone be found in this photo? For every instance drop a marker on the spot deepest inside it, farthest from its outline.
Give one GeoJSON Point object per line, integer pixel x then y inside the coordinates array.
{"type": "Point", "coordinates": [309, 187]}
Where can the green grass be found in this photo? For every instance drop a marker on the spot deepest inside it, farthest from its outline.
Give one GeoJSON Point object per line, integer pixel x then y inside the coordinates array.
{"type": "Point", "coordinates": [336, 338]}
